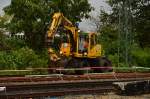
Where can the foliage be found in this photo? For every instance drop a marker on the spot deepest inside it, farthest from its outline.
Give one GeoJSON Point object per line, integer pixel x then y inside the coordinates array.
{"type": "Point", "coordinates": [3, 21]}
{"type": "Point", "coordinates": [141, 57]}
{"type": "Point", "coordinates": [140, 11]}
{"type": "Point", "coordinates": [27, 16]}
{"type": "Point", "coordinates": [139, 22]}
{"type": "Point", "coordinates": [21, 59]}
{"type": "Point", "coordinates": [14, 43]}
{"type": "Point", "coordinates": [143, 25]}
{"type": "Point", "coordinates": [32, 16]}
{"type": "Point", "coordinates": [114, 59]}
{"type": "Point", "coordinates": [74, 10]}
{"type": "Point", "coordinates": [3, 45]}
{"type": "Point", "coordinates": [108, 39]}
{"type": "Point", "coordinates": [10, 43]}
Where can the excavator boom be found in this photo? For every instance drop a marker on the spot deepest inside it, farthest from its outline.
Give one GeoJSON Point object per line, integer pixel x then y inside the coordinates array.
{"type": "Point", "coordinates": [58, 19]}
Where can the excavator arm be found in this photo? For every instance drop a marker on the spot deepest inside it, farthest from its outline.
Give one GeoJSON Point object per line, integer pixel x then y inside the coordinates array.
{"type": "Point", "coordinates": [58, 19]}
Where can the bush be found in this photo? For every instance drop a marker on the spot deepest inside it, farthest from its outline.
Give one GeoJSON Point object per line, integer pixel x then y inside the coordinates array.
{"type": "Point", "coordinates": [21, 59]}
{"type": "Point", "coordinates": [7, 43]}
{"type": "Point", "coordinates": [5, 61]}
{"type": "Point", "coordinates": [114, 59]}
{"type": "Point", "coordinates": [15, 43]}
{"type": "Point", "coordinates": [141, 57]}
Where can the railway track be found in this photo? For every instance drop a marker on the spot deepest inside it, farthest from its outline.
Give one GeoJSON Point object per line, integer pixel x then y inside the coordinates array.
{"type": "Point", "coordinates": [57, 85]}
{"type": "Point", "coordinates": [59, 77]}
{"type": "Point", "coordinates": [55, 89]}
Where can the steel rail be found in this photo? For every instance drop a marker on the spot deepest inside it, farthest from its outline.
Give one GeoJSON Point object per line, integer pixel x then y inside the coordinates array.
{"type": "Point", "coordinates": [57, 85]}
{"type": "Point", "coordinates": [58, 77]}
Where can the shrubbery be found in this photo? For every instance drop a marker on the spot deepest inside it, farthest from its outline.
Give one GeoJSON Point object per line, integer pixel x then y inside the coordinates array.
{"type": "Point", "coordinates": [138, 56]}
{"type": "Point", "coordinates": [141, 57]}
{"type": "Point", "coordinates": [14, 43]}
{"type": "Point", "coordinates": [21, 58]}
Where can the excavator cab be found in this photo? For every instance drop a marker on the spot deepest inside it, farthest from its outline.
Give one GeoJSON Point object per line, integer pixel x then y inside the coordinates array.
{"type": "Point", "coordinates": [87, 45]}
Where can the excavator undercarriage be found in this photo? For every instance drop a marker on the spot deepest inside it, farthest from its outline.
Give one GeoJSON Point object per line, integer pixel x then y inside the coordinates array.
{"type": "Point", "coordinates": [96, 65]}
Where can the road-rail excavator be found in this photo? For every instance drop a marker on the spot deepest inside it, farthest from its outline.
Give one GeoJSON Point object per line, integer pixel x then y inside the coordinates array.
{"type": "Point", "coordinates": [76, 49]}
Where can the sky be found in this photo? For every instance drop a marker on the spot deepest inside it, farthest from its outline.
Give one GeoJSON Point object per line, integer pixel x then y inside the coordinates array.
{"type": "Point", "coordinates": [85, 25]}
{"type": "Point", "coordinates": [3, 3]}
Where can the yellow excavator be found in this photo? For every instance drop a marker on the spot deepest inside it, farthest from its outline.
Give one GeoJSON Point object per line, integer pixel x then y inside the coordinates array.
{"type": "Point", "coordinates": [76, 49]}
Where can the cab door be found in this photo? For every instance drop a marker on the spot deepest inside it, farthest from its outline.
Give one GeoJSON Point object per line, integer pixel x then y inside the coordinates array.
{"type": "Point", "coordinates": [94, 47]}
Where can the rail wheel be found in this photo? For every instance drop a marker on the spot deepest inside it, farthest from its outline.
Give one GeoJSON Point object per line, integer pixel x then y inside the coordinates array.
{"type": "Point", "coordinates": [77, 63]}
{"type": "Point", "coordinates": [105, 64]}
{"type": "Point", "coordinates": [101, 65]}
{"type": "Point", "coordinates": [71, 63]}
{"type": "Point", "coordinates": [82, 63]}
{"type": "Point", "coordinates": [53, 65]}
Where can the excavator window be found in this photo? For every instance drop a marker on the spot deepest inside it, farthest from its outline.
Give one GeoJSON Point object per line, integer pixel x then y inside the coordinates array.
{"type": "Point", "coordinates": [65, 38]}
{"type": "Point", "coordinates": [93, 42]}
{"type": "Point", "coordinates": [83, 43]}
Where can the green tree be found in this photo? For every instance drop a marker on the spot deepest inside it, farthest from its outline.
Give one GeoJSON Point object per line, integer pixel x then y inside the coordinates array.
{"type": "Point", "coordinates": [74, 10]}
{"type": "Point", "coordinates": [3, 21]}
{"type": "Point", "coordinates": [108, 33]}
{"type": "Point", "coordinates": [33, 16]}
{"type": "Point", "coordinates": [140, 11]}
{"type": "Point", "coordinates": [116, 22]}
{"type": "Point", "coordinates": [142, 24]}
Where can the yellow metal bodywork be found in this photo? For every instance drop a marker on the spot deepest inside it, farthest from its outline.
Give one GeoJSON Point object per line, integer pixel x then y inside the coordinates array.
{"type": "Point", "coordinates": [94, 49]}
{"type": "Point", "coordinates": [65, 49]}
